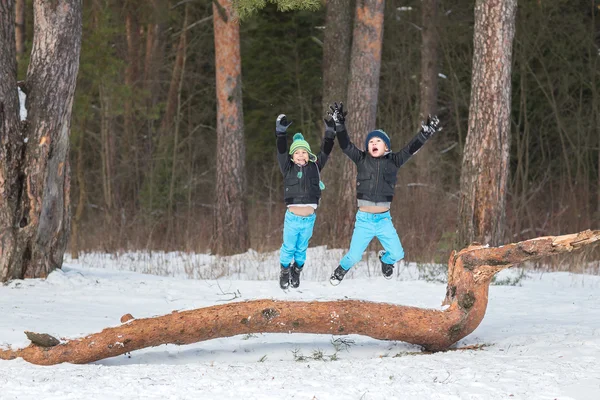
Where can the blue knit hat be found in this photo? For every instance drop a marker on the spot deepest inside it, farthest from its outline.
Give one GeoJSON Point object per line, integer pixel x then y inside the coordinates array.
{"type": "Point", "coordinates": [380, 134]}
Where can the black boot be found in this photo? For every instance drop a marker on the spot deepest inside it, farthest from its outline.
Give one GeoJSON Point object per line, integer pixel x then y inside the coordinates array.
{"type": "Point", "coordinates": [295, 275]}
{"type": "Point", "coordinates": [284, 277]}
{"type": "Point", "coordinates": [337, 276]}
{"type": "Point", "coordinates": [386, 269]}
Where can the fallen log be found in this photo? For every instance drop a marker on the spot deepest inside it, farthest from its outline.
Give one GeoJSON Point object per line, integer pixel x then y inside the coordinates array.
{"type": "Point", "coordinates": [470, 272]}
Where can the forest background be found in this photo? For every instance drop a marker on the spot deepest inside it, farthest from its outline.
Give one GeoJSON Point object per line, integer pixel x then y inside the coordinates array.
{"type": "Point", "coordinates": [144, 139]}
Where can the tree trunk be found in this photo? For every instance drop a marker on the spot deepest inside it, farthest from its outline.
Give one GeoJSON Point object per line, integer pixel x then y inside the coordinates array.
{"type": "Point", "coordinates": [107, 155]}
{"type": "Point", "coordinates": [35, 177]}
{"type": "Point", "coordinates": [337, 43]}
{"type": "Point", "coordinates": [75, 243]}
{"type": "Point", "coordinates": [595, 38]}
{"type": "Point", "coordinates": [429, 59]}
{"type": "Point", "coordinates": [469, 275]}
{"type": "Point", "coordinates": [131, 129]}
{"type": "Point", "coordinates": [152, 33]}
{"type": "Point", "coordinates": [11, 143]}
{"type": "Point", "coordinates": [231, 220]}
{"type": "Point", "coordinates": [427, 170]}
{"type": "Point", "coordinates": [485, 166]}
{"type": "Point", "coordinates": [336, 65]}
{"type": "Point", "coordinates": [365, 67]}
{"type": "Point", "coordinates": [20, 27]}
{"type": "Point", "coordinates": [429, 76]}
{"type": "Point", "coordinates": [154, 58]}
{"type": "Point", "coordinates": [180, 70]}
{"type": "Point", "coordinates": [176, 77]}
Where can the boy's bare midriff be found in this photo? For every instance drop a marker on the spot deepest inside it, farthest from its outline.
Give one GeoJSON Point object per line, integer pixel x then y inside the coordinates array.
{"type": "Point", "coordinates": [301, 211]}
{"type": "Point", "coordinates": [373, 209]}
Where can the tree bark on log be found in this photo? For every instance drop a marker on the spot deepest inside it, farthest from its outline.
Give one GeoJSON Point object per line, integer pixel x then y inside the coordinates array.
{"type": "Point", "coordinates": [469, 275]}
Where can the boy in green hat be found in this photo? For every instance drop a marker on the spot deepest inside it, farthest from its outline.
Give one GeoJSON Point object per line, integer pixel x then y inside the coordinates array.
{"type": "Point", "coordinates": [302, 192]}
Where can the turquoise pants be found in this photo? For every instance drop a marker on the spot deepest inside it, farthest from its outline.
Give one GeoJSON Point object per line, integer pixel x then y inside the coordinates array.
{"type": "Point", "coordinates": [297, 231]}
{"type": "Point", "coordinates": [367, 227]}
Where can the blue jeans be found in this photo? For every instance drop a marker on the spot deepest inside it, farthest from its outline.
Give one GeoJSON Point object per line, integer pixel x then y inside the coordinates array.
{"type": "Point", "coordinates": [367, 227]}
{"type": "Point", "coordinates": [297, 231]}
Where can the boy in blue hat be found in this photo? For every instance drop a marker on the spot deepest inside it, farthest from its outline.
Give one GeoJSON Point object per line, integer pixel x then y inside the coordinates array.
{"type": "Point", "coordinates": [375, 182]}
{"type": "Point", "coordinates": [301, 171]}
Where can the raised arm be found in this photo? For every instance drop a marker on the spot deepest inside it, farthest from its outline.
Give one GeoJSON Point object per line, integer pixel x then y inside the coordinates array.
{"type": "Point", "coordinates": [338, 114]}
{"type": "Point", "coordinates": [283, 158]}
{"type": "Point", "coordinates": [327, 144]}
{"type": "Point", "coordinates": [426, 132]}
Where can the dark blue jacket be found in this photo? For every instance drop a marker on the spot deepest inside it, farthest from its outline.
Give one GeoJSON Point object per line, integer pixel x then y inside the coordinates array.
{"type": "Point", "coordinates": [376, 177]}
{"type": "Point", "coordinates": [301, 184]}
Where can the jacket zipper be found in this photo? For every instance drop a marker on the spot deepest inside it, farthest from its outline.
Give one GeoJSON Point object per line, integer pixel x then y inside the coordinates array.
{"type": "Point", "coordinates": [304, 177]}
{"type": "Point", "coordinates": [377, 179]}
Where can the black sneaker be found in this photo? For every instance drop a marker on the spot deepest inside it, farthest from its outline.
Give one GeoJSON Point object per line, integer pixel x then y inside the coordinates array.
{"type": "Point", "coordinates": [284, 277]}
{"type": "Point", "coordinates": [337, 276]}
{"type": "Point", "coordinates": [295, 275]}
{"type": "Point", "coordinates": [386, 269]}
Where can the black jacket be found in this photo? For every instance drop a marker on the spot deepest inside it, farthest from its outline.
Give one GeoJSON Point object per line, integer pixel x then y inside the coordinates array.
{"type": "Point", "coordinates": [376, 177]}
{"type": "Point", "coordinates": [301, 184]}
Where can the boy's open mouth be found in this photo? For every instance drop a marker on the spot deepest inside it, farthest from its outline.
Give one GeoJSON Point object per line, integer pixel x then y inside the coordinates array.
{"type": "Point", "coordinates": [375, 150]}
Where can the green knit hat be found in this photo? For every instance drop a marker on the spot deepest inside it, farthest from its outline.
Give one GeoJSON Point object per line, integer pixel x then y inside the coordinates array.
{"type": "Point", "coordinates": [300, 143]}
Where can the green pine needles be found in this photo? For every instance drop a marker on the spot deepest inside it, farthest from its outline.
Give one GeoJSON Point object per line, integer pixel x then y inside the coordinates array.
{"type": "Point", "coordinates": [245, 8]}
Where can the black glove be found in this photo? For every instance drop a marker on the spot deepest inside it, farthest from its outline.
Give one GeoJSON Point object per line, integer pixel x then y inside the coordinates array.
{"type": "Point", "coordinates": [338, 114]}
{"type": "Point", "coordinates": [329, 128]}
{"type": "Point", "coordinates": [429, 128]}
{"type": "Point", "coordinates": [282, 124]}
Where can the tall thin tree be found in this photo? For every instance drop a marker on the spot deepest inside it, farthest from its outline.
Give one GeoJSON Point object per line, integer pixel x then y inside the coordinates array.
{"type": "Point", "coordinates": [363, 89]}
{"type": "Point", "coordinates": [485, 166]}
{"type": "Point", "coordinates": [428, 84]}
{"type": "Point", "coordinates": [231, 219]}
{"type": "Point", "coordinates": [337, 43]}
{"type": "Point", "coordinates": [426, 168]}
{"type": "Point", "coordinates": [132, 82]}
{"type": "Point", "coordinates": [174, 107]}
{"type": "Point", "coordinates": [34, 149]}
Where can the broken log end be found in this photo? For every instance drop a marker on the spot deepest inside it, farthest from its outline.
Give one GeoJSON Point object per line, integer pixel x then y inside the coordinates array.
{"type": "Point", "coordinates": [126, 318]}
{"type": "Point", "coordinates": [42, 339]}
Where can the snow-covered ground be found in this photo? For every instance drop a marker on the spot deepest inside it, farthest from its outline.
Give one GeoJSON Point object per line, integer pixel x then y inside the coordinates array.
{"type": "Point", "coordinates": [541, 339]}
